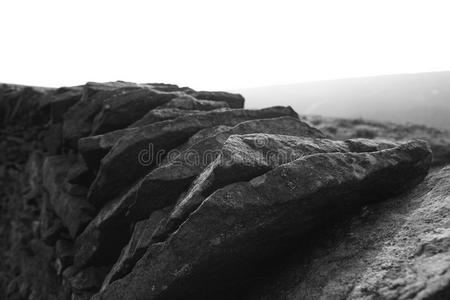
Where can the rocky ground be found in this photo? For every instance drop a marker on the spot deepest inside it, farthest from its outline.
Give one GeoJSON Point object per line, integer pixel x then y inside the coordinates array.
{"type": "Point", "coordinates": [153, 191]}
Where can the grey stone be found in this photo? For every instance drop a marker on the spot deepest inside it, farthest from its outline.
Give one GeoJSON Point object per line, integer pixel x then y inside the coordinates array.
{"type": "Point", "coordinates": [244, 223]}
{"type": "Point", "coordinates": [75, 212]}
{"type": "Point", "coordinates": [140, 151]}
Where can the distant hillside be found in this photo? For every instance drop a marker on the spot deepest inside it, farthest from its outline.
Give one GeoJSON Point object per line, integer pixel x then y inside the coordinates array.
{"type": "Point", "coordinates": [422, 98]}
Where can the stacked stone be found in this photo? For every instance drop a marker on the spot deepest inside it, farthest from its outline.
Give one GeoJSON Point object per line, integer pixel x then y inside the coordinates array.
{"type": "Point", "coordinates": [154, 191]}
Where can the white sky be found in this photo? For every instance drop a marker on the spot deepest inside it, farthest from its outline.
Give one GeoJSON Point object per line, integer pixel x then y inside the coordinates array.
{"type": "Point", "coordinates": [219, 44]}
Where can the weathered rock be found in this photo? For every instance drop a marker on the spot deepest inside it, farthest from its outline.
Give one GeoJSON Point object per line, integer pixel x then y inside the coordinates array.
{"type": "Point", "coordinates": [233, 100]}
{"type": "Point", "coordinates": [59, 101]}
{"type": "Point", "coordinates": [136, 247]}
{"type": "Point", "coordinates": [33, 170]}
{"type": "Point", "coordinates": [38, 279]}
{"type": "Point", "coordinates": [201, 135]}
{"type": "Point", "coordinates": [439, 139]}
{"type": "Point", "coordinates": [187, 102]}
{"type": "Point", "coordinates": [168, 87]}
{"type": "Point", "coordinates": [18, 102]}
{"type": "Point", "coordinates": [87, 281]}
{"type": "Point", "coordinates": [103, 239]}
{"type": "Point", "coordinates": [51, 227]}
{"type": "Point", "coordinates": [162, 187]}
{"type": "Point", "coordinates": [53, 140]}
{"type": "Point", "coordinates": [78, 119]}
{"type": "Point", "coordinates": [245, 222]}
{"type": "Point", "coordinates": [244, 157]}
{"type": "Point", "coordinates": [398, 249]}
{"type": "Point", "coordinates": [94, 148]}
{"type": "Point", "coordinates": [75, 212]}
{"type": "Point", "coordinates": [127, 106]}
{"type": "Point", "coordinates": [139, 152]}
{"type": "Point", "coordinates": [162, 114]}
{"type": "Point", "coordinates": [64, 251]}
{"type": "Point", "coordinates": [80, 174]}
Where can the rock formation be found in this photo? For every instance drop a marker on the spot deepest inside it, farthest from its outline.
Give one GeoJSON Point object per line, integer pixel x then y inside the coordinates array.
{"type": "Point", "coordinates": [120, 190]}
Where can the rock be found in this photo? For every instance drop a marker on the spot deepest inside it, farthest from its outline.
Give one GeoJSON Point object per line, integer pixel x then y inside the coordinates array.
{"type": "Point", "coordinates": [139, 152]}
{"type": "Point", "coordinates": [88, 280]}
{"type": "Point", "coordinates": [439, 139]}
{"type": "Point", "coordinates": [94, 148]}
{"type": "Point", "coordinates": [136, 247]}
{"type": "Point", "coordinates": [162, 114]}
{"type": "Point", "coordinates": [103, 239]}
{"type": "Point", "coordinates": [244, 223]}
{"type": "Point", "coordinates": [163, 186]}
{"type": "Point", "coordinates": [78, 118]}
{"type": "Point", "coordinates": [201, 135]}
{"type": "Point", "coordinates": [38, 279]}
{"type": "Point", "coordinates": [398, 249]}
{"type": "Point", "coordinates": [75, 212]}
{"type": "Point", "coordinates": [51, 228]}
{"type": "Point", "coordinates": [33, 171]}
{"type": "Point", "coordinates": [64, 251]}
{"type": "Point", "coordinates": [60, 101]}
{"type": "Point", "coordinates": [233, 100]}
{"type": "Point", "coordinates": [244, 157]}
{"type": "Point", "coordinates": [126, 106]}
{"type": "Point", "coordinates": [53, 139]}
{"type": "Point", "coordinates": [79, 174]}
{"type": "Point", "coordinates": [20, 103]}
{"type": "Point", "coordinates": [187, 102]}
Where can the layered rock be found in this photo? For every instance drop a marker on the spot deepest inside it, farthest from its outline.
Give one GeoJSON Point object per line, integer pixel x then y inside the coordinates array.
{"type": "Point", "coordinates": [187, 102]}
{"type": "Point", "coordinates": [73, 209]}
{"type": "Point", "coordinates": [78, 119]}
{"type": "Point", "coordinates": [125, 107]}
{"type": "Point", "coordinates": [140, 151]}
{"type": "Point", "coordinates": [57, 104]}
{"type": "Point", "coordinates": [242, 158]}
{"type": "Point", "coordinates": [233, 100]}
{"type": "Point", "coordinates": [114, 105]}
{"type": "Point", "coordinates": [18, 103]}
{"type": "Point", "coordinates": [251, 204]}
{"type": "Point", "coordinates": [162, 114]}
{"type": "Point", "coordinates": [245, 157]}
{"type": "Point", "coordinates": [94, 148]}
{"type": "Point", "coordinates": [240, 224]}
{"type": "Point", "coordinates": [136, 247]}
{"type": "Point", "coordinates": [339, 128]}
{"type": "Point", "coordinates": [163, 186]}
{"type": "Point", "coordinates": [398, 249]}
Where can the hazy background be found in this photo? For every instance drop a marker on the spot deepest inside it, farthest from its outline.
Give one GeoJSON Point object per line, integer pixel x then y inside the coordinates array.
{"type": "Point", "coordinates": [422, 98]}
{"type": "Point", "coordinates": [239, 45]}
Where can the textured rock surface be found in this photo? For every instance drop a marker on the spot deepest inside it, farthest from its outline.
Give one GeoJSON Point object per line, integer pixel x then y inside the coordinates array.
{"type": "Point", "coordinates": [238, 209]}
{"type": "Point", "coordinates": [439, 139]}
{"type": "Point", "coordinates": [241, 223]}
{"type": "Point", "coordinates": [60, 101]}
{"type": "Point", "coordinates": [398, 249]}
{"type": "Point", "coordinates": [162, 114]}
{"type": "Point", "coordinates": [94, 148]}
{"type": "Point", "coordinates": [187, 102]}
{"type": "Point", "coordinates": [78, 119]}
{"type": "Point", "coordinates": [140, 151]}
{"type": "Point", "coordinates": [75, 211]}
{"type": "Point", "coordinates": [244, 157]}
{"type": "Point", "coordinates": [136, 247]}
{"type": "Point", "coordinates": [126, 106]}
{"type": "Point", "coordinates": [163, 186]}
{"type": "Point", "coordinates": [233, 100]}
